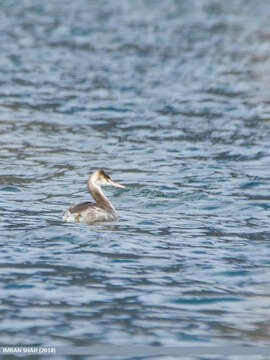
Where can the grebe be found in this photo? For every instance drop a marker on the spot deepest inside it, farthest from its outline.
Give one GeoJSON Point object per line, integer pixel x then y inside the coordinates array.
{"type": "Point", "coordinates": [102, 209]}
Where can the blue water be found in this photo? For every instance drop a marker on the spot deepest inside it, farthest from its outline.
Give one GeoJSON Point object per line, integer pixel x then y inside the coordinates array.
{"type": "Point", "coordinates": [172, 99]}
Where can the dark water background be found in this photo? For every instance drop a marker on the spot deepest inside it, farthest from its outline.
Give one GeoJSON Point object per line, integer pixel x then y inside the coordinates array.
{"type": "Point", "coordinates": [172, 98]}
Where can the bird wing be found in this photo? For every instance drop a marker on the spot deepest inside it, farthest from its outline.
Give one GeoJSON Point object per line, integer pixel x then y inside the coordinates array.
{"type": "Point", "coordinates": [78, 208]}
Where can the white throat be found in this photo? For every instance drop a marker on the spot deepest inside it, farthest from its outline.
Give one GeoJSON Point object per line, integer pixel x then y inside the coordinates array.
{"type": "Point", "coordinates": [98, 195]}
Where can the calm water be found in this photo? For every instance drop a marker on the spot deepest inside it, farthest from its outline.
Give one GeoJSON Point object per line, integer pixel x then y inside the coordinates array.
{"type": "Point", "coordinates": [172, 98]}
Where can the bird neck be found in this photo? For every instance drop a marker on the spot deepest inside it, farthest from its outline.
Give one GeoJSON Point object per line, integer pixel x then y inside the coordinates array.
{"type": "Point", "coordinates": [98, 195]}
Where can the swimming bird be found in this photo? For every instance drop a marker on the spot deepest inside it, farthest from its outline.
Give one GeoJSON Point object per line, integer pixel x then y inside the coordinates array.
{"type": "Point", "coordinates": [102, 209]}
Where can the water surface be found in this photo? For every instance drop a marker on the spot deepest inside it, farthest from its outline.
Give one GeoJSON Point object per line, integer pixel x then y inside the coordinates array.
{"type": "Point", "coordinates": [172, 99]}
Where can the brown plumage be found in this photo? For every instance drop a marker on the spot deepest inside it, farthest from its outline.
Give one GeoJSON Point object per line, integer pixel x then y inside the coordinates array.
{"type": "Point", "coordinates": [102, 209]}
{"type": "Point", "coordinates": [80, 207]}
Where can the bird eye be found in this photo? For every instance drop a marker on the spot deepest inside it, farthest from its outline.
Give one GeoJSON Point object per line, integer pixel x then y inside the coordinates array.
{"type": "Point", "coordinates": [106, 176]}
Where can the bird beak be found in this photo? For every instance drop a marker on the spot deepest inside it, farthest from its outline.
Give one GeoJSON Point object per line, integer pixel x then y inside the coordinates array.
{"type": "Point", "coordinates": [115, 184]}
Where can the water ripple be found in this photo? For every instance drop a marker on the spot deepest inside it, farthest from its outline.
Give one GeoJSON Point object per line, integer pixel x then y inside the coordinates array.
{"type": "Point", "coordinates": [173, 101]}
